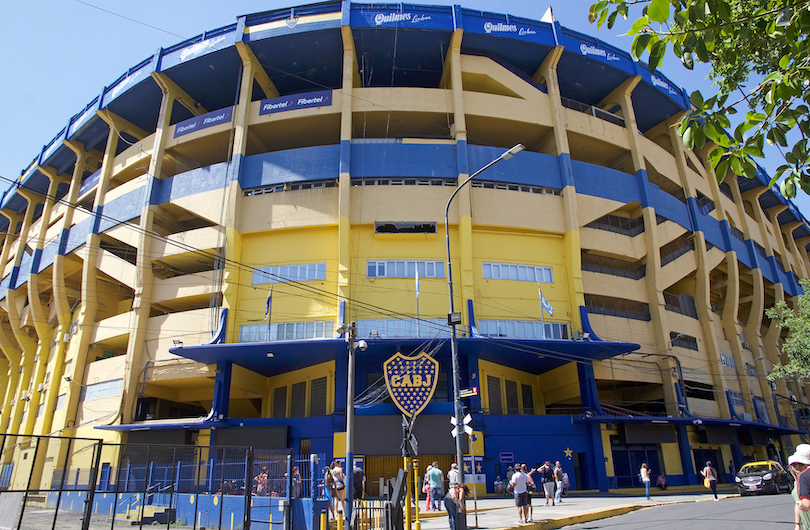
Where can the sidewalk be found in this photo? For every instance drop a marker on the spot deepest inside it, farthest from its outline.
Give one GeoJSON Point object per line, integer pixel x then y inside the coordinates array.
{"type": "Point", "coordinates": [579, 507]}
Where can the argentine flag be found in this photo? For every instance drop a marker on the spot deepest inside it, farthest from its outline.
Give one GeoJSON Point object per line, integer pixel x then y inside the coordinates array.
{"type": "Point", "coordinates": [544, 303]}
{"type": "Point", "coordinates": [268, 304]}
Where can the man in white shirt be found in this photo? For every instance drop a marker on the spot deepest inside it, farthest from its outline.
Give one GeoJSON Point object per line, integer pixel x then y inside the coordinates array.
{"type": "Point", "coordinates": [519, 482]}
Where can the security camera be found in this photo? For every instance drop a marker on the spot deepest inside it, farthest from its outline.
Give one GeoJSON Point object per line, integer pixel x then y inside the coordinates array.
{"type": "Point", "coordinates": [361, 344]}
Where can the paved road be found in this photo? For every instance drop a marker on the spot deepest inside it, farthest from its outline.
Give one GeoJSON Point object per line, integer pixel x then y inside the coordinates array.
{"type": "Point", "coordinates": [769, 512]}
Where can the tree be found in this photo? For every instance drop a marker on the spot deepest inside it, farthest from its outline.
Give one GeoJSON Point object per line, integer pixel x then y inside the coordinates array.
{"type": "Point", "coordinates": [797, 344]}
{"type": "Point", "coordinates": [741, 40]}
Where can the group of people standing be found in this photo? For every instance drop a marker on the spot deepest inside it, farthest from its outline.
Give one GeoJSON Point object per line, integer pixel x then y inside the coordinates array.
{"type": "Point", "coordinates": [334, 481]}
{"type": "Point", "coordinates": [453, 500]}
{"type": "Point", "coordinates": [522, 483]}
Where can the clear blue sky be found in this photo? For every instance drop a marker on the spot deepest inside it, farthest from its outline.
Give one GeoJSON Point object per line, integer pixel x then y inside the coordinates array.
{"type": "Point", "coordinates": [57, 55]}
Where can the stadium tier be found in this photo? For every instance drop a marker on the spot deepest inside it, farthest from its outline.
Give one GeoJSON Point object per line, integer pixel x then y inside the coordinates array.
{"type": "Point", "coordinates": [179, 260]}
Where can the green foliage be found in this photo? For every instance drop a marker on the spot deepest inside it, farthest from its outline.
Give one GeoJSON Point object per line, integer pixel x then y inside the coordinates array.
{"type": "Point", "coordinates": [738, 38]}
{"type": "Point", "coordinates": [797, 344]}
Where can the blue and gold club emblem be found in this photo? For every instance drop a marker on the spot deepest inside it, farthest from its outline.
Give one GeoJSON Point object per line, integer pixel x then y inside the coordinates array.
{"type": "Point", "coordinates": [411, 381]}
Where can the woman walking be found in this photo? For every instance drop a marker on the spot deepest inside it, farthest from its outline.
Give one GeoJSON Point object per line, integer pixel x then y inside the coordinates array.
{"type": "Point", "coordinates": [710, 478]}
{"type": "Point", "coordinates": [645, 479]}
{"type": "Point", "coordinates": [340, 485]}
{"type": "Point", "coordinates": [329, 489]}
{"type": "Point", "coordinates": [454, 504]}
{"type": "Point", "coordinates": [426, 488]}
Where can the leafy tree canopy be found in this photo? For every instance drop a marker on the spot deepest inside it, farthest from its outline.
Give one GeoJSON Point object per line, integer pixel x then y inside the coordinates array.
{"type": "Point", "coordinates": [797, 344]}
{"type": "Point", "coordinates": [741, 39]}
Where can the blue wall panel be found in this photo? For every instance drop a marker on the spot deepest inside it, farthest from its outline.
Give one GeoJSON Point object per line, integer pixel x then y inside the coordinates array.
{"type": "Point", "coordinates": [599, 181]}
{"type": "Point", "coordinates": [124, 208]}
{"type": "Point", "coordinates": [670, 207]}
{"type": "Point", "coordinates": [765, 266]}
{"type": "Point", "coordinates": [743, 256]}
{"type": "Point", "coordinates": [713, 231]}
{"type": "Point", "coordinates": [49, 252]}
{"type": "Point", "coordinates": [293, 165]}
{"type": "Point", "coordinates": [25, 270]}
{"type": "Point", "coordinates": [77, 236]}
{"type": "Point", "coordinates": [190, 183]}
{"type": "Point", "coordinates": [404, 160]}
{"type": "Point", "coordinates": [534, 169]}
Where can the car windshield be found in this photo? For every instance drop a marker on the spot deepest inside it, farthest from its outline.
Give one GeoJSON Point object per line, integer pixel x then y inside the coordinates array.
{"type": "Point", "coordinates": [756, 468]}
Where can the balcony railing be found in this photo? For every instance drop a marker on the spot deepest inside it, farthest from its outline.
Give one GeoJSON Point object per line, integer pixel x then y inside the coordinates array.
{"type": "Point", "coordinates": [593, 111]}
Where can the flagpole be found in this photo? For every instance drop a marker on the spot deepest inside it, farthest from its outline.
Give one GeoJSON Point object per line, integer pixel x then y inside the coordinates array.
{"type": "Point", "coordinates": [542, 312]}
{"type": "Point", "coordinates": [417, 300]}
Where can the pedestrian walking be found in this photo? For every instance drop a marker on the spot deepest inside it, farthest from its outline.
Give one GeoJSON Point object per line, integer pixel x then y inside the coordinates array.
{"type": "Point", "coordinates": [329, 489]}
{"type": "Point", "coordinates": [426, 488]}
{"type": "Point", "coordinates": [519, 484]}
{"type": "Point", "coordinates": [799, 462]}
{"type": "Point", "coordinates": [558, 481]}
{"type": "Point", "coordinates": [453, 476]}
{"type": "Point", "coordinates": [454, 504]}
{"type": "Point", "coordinates": [436, 482]}
{"type": "Point", "coordinates": [710, 478]}
{"type": "Point", "coordinates": [358, 482]}
{"type": "Point", "coordinates": [340, 486]}
{"type": "Point", "coordinates": [731, 469]}
{"type": "Point", "coordinates": [547, 473]}
{"type": "Point", "coordinates": [645, 479]}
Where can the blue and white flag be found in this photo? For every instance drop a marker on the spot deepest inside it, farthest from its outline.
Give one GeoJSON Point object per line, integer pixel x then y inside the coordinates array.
{"type": "Point", "coordinates": [417, 282]}
{"type": "Point", "coordinates": [268, 304]}
{"type": "Point", "coordinates": [544, 303]}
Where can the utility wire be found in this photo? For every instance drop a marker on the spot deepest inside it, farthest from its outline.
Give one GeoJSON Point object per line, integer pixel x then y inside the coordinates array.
{"type": "Point", "coordinates": [130, 19]}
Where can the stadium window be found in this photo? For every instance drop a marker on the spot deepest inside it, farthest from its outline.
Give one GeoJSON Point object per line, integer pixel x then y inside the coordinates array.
{"type": "Point", "coordinates": [299, 272]}
{"type": "Point", "coordinates": [514, 271]}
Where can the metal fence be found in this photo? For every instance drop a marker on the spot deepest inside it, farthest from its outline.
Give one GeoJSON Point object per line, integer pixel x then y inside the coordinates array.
{"type": "Point", "coordinates": [49, 483]}
{"type": "Point", "coordinates": [57, 482]}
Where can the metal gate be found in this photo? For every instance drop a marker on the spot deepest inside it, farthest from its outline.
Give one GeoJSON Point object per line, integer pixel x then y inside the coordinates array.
{"type": "Point", "coordinates": [39, 475]}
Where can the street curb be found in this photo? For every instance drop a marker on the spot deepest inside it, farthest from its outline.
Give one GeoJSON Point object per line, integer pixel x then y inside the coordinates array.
{"type": "Point", "coordinates": [595, 515]}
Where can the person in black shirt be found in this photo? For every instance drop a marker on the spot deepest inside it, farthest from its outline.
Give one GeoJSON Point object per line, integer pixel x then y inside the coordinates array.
{"type": "Point", "coordinates": [359, 482]}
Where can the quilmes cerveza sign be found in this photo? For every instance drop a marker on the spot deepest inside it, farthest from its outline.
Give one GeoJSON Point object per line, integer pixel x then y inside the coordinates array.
{"type": "Point", "coordinates": [203, 122]}
{"type": "Point", "coordinates": [295, 102]}
{"type": "Point", "coordinates": [411, 381]}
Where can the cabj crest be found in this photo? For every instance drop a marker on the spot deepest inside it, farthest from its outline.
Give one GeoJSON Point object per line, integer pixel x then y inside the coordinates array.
{"type": "Point", "coordinates": [411, 381]}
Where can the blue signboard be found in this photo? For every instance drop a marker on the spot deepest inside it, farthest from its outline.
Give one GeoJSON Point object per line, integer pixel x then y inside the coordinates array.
{"type": "Point", "coordinates": [507, 26]}
{"type": "Point", "coordinates": [203, 122]}
{"type": "Point", "coordinates": [403, 16]}
{"type": "Point", "coordinates": [295, 102]}
{"type": "Point", "coordinates": [179, 54]}
{"type": "Point", "coordinates": [507, 457]}
{"type": "Point", "coordinates": [594, 49]}
{"type": "Point", "coordinates": [479, 464]}
{"type": "Point", "coordinates": [134, 76]}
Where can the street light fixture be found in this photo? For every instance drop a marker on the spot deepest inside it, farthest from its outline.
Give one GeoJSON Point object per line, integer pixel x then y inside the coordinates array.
{"type": "Point", "coordinates": [680, 375]}
{"type": "Point", "coordinates": [453, 318]}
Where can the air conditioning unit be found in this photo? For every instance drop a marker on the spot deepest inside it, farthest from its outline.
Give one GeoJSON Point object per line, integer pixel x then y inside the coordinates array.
{"type": "Point", "coordinates": [24, 395]}
{"type": "Point", "coordinates": [747, 416]}
{"type": "Point", "coordinates": [745, 345]}
{"type": "Point", "coordinates": [41, 387]}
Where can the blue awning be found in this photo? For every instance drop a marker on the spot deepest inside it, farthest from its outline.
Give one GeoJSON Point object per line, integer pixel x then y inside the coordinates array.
{"type": "Point", "coordinates": [529, 355]}
{"type": "Point", "coordinates": [696, 421]}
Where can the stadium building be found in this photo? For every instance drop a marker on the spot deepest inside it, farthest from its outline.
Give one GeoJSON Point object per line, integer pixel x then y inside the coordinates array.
{"type": "Point", "coordinates": [177, 260]}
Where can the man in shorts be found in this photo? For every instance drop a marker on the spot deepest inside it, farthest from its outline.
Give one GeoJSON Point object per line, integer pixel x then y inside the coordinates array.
{"type": "Point", "coordinates": [520, 481]}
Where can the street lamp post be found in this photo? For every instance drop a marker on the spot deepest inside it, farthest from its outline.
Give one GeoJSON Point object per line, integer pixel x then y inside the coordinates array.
{"type": "Point", "coordinates": [351, 336]}
{"type": "Point", "coordinates": [453, 318]}
{"type": "Point", "coordinates": [680, 375]}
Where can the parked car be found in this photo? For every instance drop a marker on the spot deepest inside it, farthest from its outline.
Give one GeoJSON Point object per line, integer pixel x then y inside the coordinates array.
{"type": "Point", "coordinates": [767, 476]}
